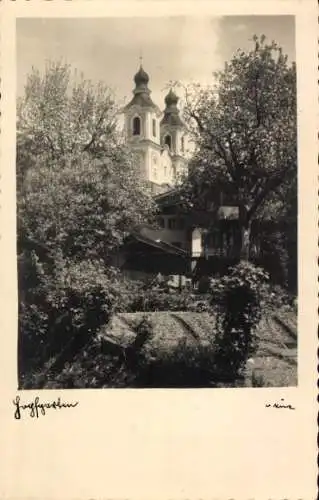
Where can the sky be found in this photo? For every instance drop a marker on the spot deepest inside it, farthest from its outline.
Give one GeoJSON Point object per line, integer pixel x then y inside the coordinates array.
{"type": "Point", "coordinates": [187, 49]}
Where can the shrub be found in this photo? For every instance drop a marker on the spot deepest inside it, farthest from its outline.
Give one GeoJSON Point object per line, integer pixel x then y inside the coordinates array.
{"type": "Point", "coordinates": [149, 298]}
{"type": "Point", "coordinates": [62, 311]}
{"type": "Point", "coordinates": [157, 300]}
{"type": "Point", "coordinates": [237, 296]}
{"type": "Point", "coordinates": [90, 368]}
{"type": "Point", "coordinates": [274, 297]}
{"type": "Point", "coordinates": [184, 365]}
{"type": "Point", "coordinates": [274, 256]}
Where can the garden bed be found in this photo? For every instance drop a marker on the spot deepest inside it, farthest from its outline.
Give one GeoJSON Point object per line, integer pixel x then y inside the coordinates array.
{"type": "Point", "coordinates": [273, 365]}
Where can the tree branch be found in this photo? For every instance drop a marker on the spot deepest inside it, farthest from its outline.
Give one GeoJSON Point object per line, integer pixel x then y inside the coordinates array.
{"type": "Point", "coordinates": [258, 114]}
{"type": "Point", "coordinates": [273, 183]}
{"type": "Point", "coordinates": [96, 132]}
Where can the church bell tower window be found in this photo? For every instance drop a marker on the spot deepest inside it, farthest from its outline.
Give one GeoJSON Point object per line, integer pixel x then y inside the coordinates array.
{"type": "Point", "coordinates": [154, 127]}
{"type": "Point", "coordinates": [136, 126]}
{"type": "Point", "coordinates": [168, 141]}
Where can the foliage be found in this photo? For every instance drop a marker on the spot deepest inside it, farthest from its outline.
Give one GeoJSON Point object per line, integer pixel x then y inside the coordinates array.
{"type": "Point", "coordinates": [156, 300]}
{"type": "Point", "coordinates": [273, 256]}
{"type": "Point", "coordinates": [245, 133]}
{"type": "Point", "coordinates": [62, 310]}
{"type": "Point", "coordinates": [183, 366]}
{"type": "Point", "coordinates": [85, 208]}
{"type": "Point", "coordinates": [80, 187]}
{"type": "Point", "coordinates": [237, 296]}
{"type": "Point", "coordinates": [62, 115]}
{"type": "Point", "coordinates": [90, 368]}
{"type": "Point", "coordinates": [79, 193]}
{"type": "Point", "coordinates": [162, 353]}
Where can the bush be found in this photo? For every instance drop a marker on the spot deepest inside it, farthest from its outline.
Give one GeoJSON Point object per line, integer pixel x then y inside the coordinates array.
{"type": "Point", "coordinates": [274, 257]}
{"type": "Point", "coordinates": [90, 369]}
{"type": "Point", "coordinates": [61, 311]}
{"type": "Point", "coordinates": [274, 297]}
{"type": "Point", "coordinates": [238, 300]}
{"type": "Point", "coordinates": [184, 364]}
{"type": "Point", "coordinates": [157, 300]}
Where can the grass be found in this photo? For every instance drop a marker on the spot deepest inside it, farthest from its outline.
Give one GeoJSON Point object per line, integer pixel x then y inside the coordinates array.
{"type": "Point", "coordinates": [269, 371]}
{"type": "Point", "coordinates": [275, 362]}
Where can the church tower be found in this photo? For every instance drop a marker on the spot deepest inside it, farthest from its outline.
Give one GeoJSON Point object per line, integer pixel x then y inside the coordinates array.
{"type": "Point", "coordinates": [158, 139]}
{"type": "Point", "coordinates": [142, 128]}
{"type": "Point", "coordinates": [173, 134]}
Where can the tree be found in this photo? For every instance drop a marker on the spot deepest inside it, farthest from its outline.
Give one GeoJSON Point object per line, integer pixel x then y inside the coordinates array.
{"type": "Point", "coordinates": [80, 188]}
{"type": "Point", "coordinates": [245, 132]}
{"type": "Point", "coordinates": [79, 193]}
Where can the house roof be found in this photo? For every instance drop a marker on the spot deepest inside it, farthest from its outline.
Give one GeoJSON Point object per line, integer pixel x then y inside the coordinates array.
{"type": "Point", "coordinates": [172, 118]}
{"type": "Point", "coordinates": [170, 196]}
{"type": "Point", "coordinates": [156, 243]}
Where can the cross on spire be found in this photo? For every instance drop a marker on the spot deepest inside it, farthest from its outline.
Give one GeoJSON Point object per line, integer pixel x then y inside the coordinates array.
{"type": "Point", "coordinates": [141, 57]}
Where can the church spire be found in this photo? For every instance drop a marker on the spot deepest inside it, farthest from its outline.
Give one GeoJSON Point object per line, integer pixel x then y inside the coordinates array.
{"type": "Point", "coordinates": [171, 112]}
{"type": "Point", "coordinates": [141, 91]}
{"type": "Point", "coordinates": [141, 80]}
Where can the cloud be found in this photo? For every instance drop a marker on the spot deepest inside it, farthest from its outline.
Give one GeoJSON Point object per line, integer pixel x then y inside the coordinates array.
{"type": "Point", "coordinates": [240, 27]}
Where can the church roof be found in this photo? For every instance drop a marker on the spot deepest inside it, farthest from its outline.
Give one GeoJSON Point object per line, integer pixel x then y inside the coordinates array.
{"type": "Point", "coordinates": [172, 119]}
{"type": "Point", "coordinates": [143, 100]}
{"type": "Point", "coordinates": [141, 92]}
{"type": "Point", "coordinates": [141, 77]}
{"type": "Point", "coordinates": [171, 98]}
{"type": "Point", "coordinates": [171, 112]}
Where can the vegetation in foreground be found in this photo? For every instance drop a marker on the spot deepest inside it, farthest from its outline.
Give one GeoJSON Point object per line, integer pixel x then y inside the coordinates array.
{"type": "Point", "coordinates": [183, 348]}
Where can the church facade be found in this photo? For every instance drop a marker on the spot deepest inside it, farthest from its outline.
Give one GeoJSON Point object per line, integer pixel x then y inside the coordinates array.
{"type": "Point", "coordinates": [159, 138]}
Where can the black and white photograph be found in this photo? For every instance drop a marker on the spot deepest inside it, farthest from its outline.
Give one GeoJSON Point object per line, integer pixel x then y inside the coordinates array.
{"type": "Point", "coordinates": [159, 249]}
{"type": "Point", "coordinates": [156, 192]}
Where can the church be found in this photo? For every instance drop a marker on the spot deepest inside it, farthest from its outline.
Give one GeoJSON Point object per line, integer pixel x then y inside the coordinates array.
{"type": "Point", "coordinates": [158, 138]}
{"type": "Point", "coordinates": [185, 243]}
{"type": "Point", "coordinates": [176, 247]}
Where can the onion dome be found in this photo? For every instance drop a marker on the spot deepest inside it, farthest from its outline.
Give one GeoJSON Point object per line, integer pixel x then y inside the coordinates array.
{"type": "Point", "coordinates": [142, 92]}
{"type": "Point", "coordinates": [171, 99]}
{"type": "Point", "coordinates": [171, 112]}
{"type": "Point", "coordinates": [141, 77]}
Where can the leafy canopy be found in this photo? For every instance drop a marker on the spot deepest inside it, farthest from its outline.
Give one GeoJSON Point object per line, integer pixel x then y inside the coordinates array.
{"type": "Point", "coordinates": [80, 188]}
{"type": "Point", "coordinates": [245, 132]}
